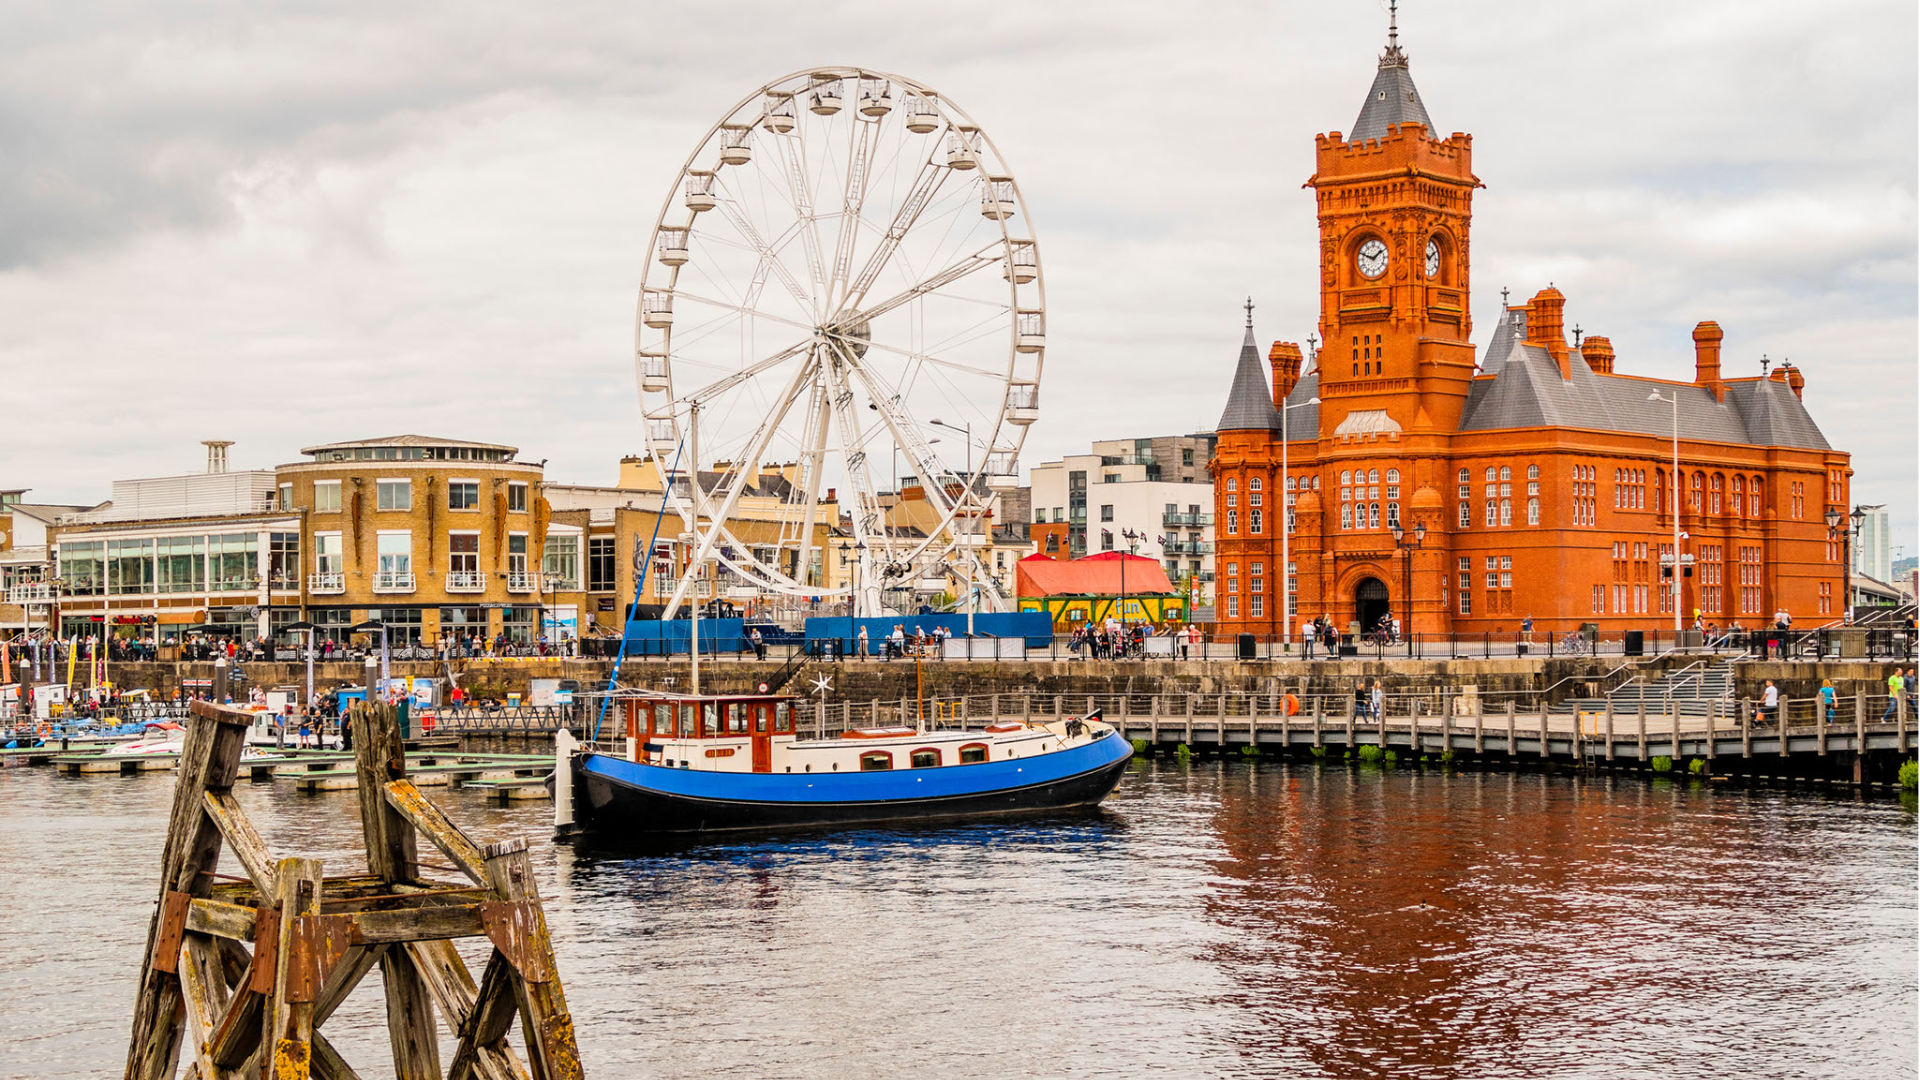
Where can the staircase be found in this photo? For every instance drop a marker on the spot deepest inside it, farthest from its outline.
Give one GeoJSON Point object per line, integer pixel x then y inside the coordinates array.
{"type": "Point", "coordinates": [1690, 691]}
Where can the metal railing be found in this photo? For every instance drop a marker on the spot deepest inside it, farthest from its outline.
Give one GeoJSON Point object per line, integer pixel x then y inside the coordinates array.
{"type": "Point", "coordinates": [466, 581]}
{"type": "Point", "coordinates": [327, 582]}
{"type": "Point", "coordinates": [393, 581]}
{"type": "Point", "coordinates": [30, 592]}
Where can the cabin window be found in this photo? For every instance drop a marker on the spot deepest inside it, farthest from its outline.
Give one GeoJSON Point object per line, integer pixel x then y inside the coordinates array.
{"type": "Point", "coordinates": [760, 720]}
{"type": "Point", "coordinates": [973, 753]}
{"type": "Point", "coordinates": [925, 759]}
{"type": "Point", "coordinates": [783, 717]}
{"type": "Point", "coordinates": [736, 719]}
{"type": "Point", "coordinates": [876, 761]}
{"type": "Point", "coordinates": [686, 721]}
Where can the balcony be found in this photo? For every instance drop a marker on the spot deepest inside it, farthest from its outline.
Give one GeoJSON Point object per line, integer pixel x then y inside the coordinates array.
{"type": "Point", "coordinates": [325, 583]}
{"type": "Point", "coordinates": [1189, 547]}
{"type": "Point", "coordinates": [393, 581]}
{"type": "Point", "coordinates": [519, 582]}
{"type": "Point", "coordinates": [30, 592]}
{"type": "Point", "coordinates": [466, 581]}
{"type": "Point", "coordinates": [1188, 520]}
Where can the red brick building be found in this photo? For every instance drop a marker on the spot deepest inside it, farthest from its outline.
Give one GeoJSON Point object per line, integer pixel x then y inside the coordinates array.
{"type": "Point", "coordinates": [1538, 477]}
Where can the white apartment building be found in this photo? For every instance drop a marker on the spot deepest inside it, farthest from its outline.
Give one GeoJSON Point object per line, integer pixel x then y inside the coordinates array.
{"type": "Point", "coordinates": [1156, 489]}
{"type": "Point", "coordinates": [1873, 548]}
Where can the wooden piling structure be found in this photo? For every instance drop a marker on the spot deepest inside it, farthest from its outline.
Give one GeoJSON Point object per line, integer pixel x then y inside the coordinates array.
{"type": "Point", "coordinates": [244, 971]}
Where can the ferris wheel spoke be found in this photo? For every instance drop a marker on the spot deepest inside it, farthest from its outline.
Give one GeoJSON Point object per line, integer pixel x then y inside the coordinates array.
{"type": "Point", "coordinates": [733, 379]}
{"type": "Point", "coordinates": [794, 153]}
{"type": "Point", "coordinates": [769, 257]}
{"type": "Point", "coordinates": [742, 309]}
{"type": "Point", "coordinates": [859, 167]}
{"type": "Point", "coordinates": [926, 185]}
{"type": "Point", "coordinates": [966, 266]}
{"type": "Point", "coordinates": [929, 358]}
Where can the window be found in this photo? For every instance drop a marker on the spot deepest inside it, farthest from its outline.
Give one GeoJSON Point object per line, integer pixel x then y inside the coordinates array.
{"type": "Point", "coordinates": [1233, 523]}
{"type": "Point", "coordinates": [463, 557]}
{"type": "Point", "coordinates": [516, 558]}
{"type": "Point", "coordinates": [463, 494]}
{"type": "Point", "coordinates": [283, 559]}
{"type": "Point", "coordinates": [130, 566]}
{"type": "Point", "coordinates": [876, 761]}
{"type": "Point", "coordinates": [326, 496]}
{"type": "Point", "coordinates": [1110, 478]}
{"type": "Point", "coordinates": [326, 553]}
{"type": "Point", "coordinates": [1253, 483]}
{"type": "Point", "coordinates": [1346, 477]}
{"type": "Point", "coordinates": [563, 561]}
{"type": "Point", "coordinates": [1373, 476]}
{"type": "Point", "coordinates": [1233, 577]}
{"type": "Point", "coordinates": [1506, 511]}
{"type": "Point", "coordinates": [601, 564]}
{"type": "Point", "coordinates": [396, 553]}
{"type": "Point", "coordinates": [1393, 515]}
{"type": "Point", "coordinates": [83, 567]}
{"type": "Point", "coordinates": [395, 494]}
{"type": "Point", "coordinates": [1254, 521]}
{"type": "Point", "coordinates": [1256, 606]}
{"type": "Point", "coordinates": [1466, 514]}
{"type": "Point", "coordinates": [286, 496]}
{"type": "Point", "coordinates": [232, 561]}
{"type": "Point", "coordinates": [1256, 576]}
{"type": "Point", "coordinates": [516, 498]}
{"type": "Point", "coordinates": [1106, 512]}
{"type": "Point", "coordinates": [182, 563]}
{"type": "Point", "coordinates": [1346, 515]}
{"type": "Point", "coordinates": [973, 753]}
{"type": "Point", "coordinates": [1233, 607]}
{"type": "Point", "coordinates": [1373, 515]}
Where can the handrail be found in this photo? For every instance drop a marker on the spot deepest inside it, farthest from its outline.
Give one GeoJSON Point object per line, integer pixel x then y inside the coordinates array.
{"type": "Point", "coordinates": [1549, 689]}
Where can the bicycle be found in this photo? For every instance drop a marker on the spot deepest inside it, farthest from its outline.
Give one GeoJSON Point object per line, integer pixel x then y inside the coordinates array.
{"type": "Point", "coordinates": [1575, 643]}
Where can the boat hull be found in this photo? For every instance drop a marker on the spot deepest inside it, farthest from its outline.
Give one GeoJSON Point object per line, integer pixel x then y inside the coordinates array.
{"type": "Point", "coordinates": [615, 797]}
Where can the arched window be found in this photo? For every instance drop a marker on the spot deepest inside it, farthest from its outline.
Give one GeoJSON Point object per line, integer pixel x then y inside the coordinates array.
{"type": "Point", "coordinates": [1393, 514]}
{"type": "Point", "coordinates": [1533, 472]}
{"type": "Point", "coordinates": [876, 761]}
{"type": "Point", "coordinates": [1492, 473]}
{"type": "Point", "coordinates": [1291, 485]}
{"type": "Point", "coordinates": [1346, 515]}
{"type": "Point", "coordinates": [1699, 482]}
{"type": "Point", "coordinates": [1346, 477]}
{"type": "Point", "coordinates": [1506, 473]}
{"type": "Point", "coordinates": [924, 758]}
{"type": "Point", "coordinates": [1739, 503]}
{"type": "Point", "coordinates": [1373, 515]}
{"type": "Point", "coordinates": [1254, 521]}
{"type": "Point", "coordinates": [1393, 476]}
{"type": "Point", "coordinates": [1533, 511]}
{"type": "Point", "coordinates": [1466, 477]}
{"type": "Point", "coordinates": [973, 753]}
{"type": "Point", "coordinates": [1753, 498]}
{"type": "Point", "coordinates": [1713, 500]}
{"type": "Point", "coordinates": [1233, 483]}
{"type": "Point", "coordinates": [1373, 476]}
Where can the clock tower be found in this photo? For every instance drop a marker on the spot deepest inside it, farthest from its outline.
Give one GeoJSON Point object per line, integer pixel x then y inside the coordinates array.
{"type": "Point", "coordinates": [1395, 204]}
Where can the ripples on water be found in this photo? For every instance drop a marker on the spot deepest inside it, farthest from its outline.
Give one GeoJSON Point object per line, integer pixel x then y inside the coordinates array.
{"type": "Point", "coordinates": [1215, 920]}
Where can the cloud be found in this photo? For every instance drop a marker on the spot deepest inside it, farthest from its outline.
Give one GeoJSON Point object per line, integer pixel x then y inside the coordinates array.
{"type": "Point", "coordinates": [294, 226]}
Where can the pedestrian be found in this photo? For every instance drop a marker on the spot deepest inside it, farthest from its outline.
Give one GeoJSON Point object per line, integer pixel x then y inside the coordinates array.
{"type": "Point", "coordinates": [306, 726]}
{"type": "Point", "coordinates": [1307, 633]}
{"type": "Point", "coordinates": [1360, 700]}
{"type": "Point", "coordinates": [1379, 702]}
{"type": "Point", "coordinates": [863, 642]}
{"type": "Point", "coordinates": [1526, 628]}
{"type": "Point", "coordinates": [759, 645]}
{"type": "Point", "coordinates": [1770, 702]}
{"type": "Point", "coordinates": [1896, 685]}
{"type": "Point", "coordinates": [1827, 699]}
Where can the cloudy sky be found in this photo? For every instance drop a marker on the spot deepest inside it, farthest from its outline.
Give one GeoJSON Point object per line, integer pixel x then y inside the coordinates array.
{"type": "Point", "coordinates": [286, 225]}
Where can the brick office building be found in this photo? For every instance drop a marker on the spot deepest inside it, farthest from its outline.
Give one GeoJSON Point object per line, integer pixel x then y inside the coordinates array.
{"type": "Point", "coordinates": [1538, 480]}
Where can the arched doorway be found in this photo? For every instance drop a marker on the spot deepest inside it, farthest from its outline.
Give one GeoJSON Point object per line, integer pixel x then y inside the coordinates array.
{"type": "Point", "coordinates": [1370, 602]}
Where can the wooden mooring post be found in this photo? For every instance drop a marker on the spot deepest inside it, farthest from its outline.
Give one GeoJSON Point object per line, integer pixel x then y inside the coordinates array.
{"type": "Point", "coordinates": [245, 970]}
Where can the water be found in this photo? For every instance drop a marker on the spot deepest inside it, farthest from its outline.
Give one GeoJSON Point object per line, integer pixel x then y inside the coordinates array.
{"type": "Point", "coordinates": [1217, 920]}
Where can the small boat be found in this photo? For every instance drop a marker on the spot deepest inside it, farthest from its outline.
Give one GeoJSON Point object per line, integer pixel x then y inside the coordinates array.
{"type": "Point", "coordinates": [159, 737]}
{"type": "Point", "coordinates": [691, 763]}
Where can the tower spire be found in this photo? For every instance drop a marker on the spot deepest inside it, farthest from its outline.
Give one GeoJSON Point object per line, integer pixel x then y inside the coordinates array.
{"type": "Point", "coordinates": [1249, 312]}
{"type": "Point", "coordinates": [1393, 26]}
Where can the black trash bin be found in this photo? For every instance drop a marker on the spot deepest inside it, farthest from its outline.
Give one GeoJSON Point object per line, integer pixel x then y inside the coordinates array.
{"type": "Point", "coordinates": [1246, 647]}
{"type": "Point", "coordinates": [1636, 643]}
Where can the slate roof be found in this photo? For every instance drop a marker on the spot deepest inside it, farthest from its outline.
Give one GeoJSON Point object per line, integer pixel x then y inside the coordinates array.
{"type": "Point", "coordinates": [1303, 420]}
{"type": "Point", "coordinates": [1250, 402]}
{"type": "Point", "coordinates": [1511, 325]}
{"type": "Point", "coordinates": [1527, 391]}
{"type": "Point", "coordinates": [1392, 100]}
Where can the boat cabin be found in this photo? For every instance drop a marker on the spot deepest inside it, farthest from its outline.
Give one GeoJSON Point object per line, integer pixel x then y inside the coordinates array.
{"type": "Point", "coordinates": [758, 733]}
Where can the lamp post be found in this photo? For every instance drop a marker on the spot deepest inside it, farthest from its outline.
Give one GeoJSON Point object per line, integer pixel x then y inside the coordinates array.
{"type": "Point", "coordinates": [1673, 493]}
{"type": "Point", "coordinates": [1133, 538]}
{"type": "Point", "coordinates": [549, 581]}
{"type": "Point", "coordinates": [1408, 545]}
{"type": "Point", "coordinates": [265, 583]}
{"type": "Point", "coordinates": [1848, 527]}
{"type": "Point", "coordinates": [1286, 531]}
{"type": "Point", "coordinates": [386, 673]}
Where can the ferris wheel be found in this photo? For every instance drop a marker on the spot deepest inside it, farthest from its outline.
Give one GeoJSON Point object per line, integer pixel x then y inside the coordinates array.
{"type": "Point", "coordinates": [842, 294]}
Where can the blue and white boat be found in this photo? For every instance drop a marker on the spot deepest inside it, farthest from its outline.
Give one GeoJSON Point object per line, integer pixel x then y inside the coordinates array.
{"type": "Point", "coordinates": [689, 764]}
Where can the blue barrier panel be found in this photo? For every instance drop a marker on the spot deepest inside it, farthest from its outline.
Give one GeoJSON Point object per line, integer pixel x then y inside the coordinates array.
{"type": "Point", "coordinates": [653, 637]}
{"type": "Point", "coordinates": [1034, 626]}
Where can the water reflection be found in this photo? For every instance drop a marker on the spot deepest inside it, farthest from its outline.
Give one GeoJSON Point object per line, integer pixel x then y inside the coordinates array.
{"type": "Point", "coordinates": [1240, 919]}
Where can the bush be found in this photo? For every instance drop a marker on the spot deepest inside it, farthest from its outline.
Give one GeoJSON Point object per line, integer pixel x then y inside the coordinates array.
{"type": "Point", "coordinates": [1391, 757]}
{"type": "Point", "coordinates": [1183, 751]}
{"type": "Point", "coordinates": [1319, 752]}
{"type": "Point", "coordinates": [1249, 751]}
{"type": "Point", "coordinates": [1140, 747]}
{"type": "Point", "coordinates": [1697, 766]}
{"type": "Point", "coordinates": [1662, 764]}
{"type": "Point", "coordinates": [1371, 754]}
{"type": "Point", "coordinates": [1910, 774]}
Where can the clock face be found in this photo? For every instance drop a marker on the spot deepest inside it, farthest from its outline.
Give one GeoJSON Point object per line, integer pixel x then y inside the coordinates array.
{"type": "Point", "coordinates": [1433, 258]}
{"type": "Point", "coordinates": [1372, 260]}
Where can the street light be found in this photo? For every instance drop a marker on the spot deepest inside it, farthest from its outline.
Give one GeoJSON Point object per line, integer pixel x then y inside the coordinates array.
{"type": "Point", "coordinates": [1286, 533]}
{"type": "Point", "coordinates": [385, 654]}
{"type": "Point", "coordinates": [1133, 539]}
{"type": "Point", "coordinates": [1673, 493]}
{"type": "Point", "coordinates": [1407, 548]}
{"type": "Point", "coordinates": [1835, 520]}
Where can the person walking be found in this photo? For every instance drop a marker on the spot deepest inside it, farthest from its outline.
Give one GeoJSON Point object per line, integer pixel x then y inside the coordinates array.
{"type": "Point", "coordinates": [1896, 685]}
{"type": "Point", "coordinates": [1360, 700]}
{"type": "Point", "coordinates": [1770, 703]}
{"type": "Point", "coordinates": [1308, 631]}
{"type": "Point", "coordinates": [1526, 629]}
{"type": "Point", "coordinates": [863, 643]}
{"type": "Point", "coordinates": [1827, 702]}
{"type": "Point", "coordinates": [759, 645]}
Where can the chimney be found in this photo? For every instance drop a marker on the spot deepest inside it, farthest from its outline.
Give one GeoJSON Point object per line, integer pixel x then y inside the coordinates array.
{"type": "Point", "coordinates": [1285, 358]}
{"type": "Point", "coordinates": [1796, 380]}
{"type": "Point", "coordinates": [1546, 317]}
{"type": "Point", "coordinates": [1706, 359]}
{"type": "Point", "coordinates": [216, 454]}
{"type": "Point", "coordinates": [1599, 354]}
